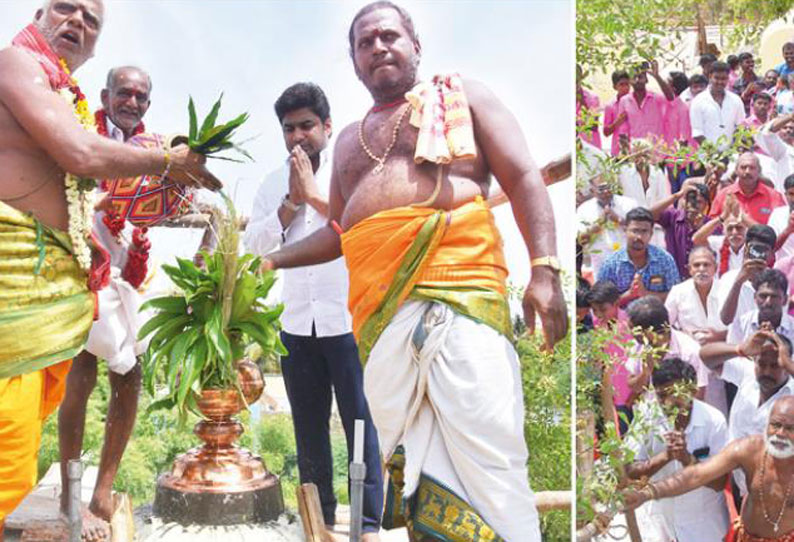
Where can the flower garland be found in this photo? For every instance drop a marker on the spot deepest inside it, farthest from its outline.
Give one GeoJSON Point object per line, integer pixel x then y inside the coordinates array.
{"type": "Point", "coordinates": [79, 191]}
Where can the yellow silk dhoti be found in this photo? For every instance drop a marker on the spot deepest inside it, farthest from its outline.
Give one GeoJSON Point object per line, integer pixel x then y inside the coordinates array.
{"type": "Point", "coordinates": [46, 311]}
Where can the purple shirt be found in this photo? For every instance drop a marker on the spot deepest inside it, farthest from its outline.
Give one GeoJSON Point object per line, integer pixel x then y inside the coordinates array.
{"type": "Point", "coordinates": [645, 119]}
{"type": "Point", "coordinates": [678, 236]}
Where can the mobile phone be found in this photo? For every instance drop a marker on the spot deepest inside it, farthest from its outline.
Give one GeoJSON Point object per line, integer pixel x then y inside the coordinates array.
{"type": "Point", "coordinates": [757, 251]}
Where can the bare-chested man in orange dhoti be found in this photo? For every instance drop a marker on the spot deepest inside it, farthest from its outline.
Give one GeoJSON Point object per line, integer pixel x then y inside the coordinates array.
{"type": "Point", "coordinates": [427, 285]}
{"type": "Point", "coordinates": [48, 152]}
{"type": "Point", "coordinates": [767, 461]}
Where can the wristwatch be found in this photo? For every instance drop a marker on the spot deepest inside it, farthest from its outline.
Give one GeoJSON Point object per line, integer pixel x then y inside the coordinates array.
{"type": "Point", "coordinates": [289, 205]}
{"type": "Point", "coordinates": [548, 261]}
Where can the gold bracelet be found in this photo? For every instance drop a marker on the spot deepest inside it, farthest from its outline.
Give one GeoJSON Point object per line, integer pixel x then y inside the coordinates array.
{"type": "Point", "coordinates": [654, 492]}
{"type": "Point", "coordinates": [548, 261]}
{"type": "Point", "coordinates": [167, 158]}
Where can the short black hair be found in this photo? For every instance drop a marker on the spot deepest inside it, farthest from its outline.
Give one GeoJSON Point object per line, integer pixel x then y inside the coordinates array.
{"type": "Point", "coordinates": [720, 67]}
{"type": "Point", "coordinates": [302, 95]}
{"type": "Point", "coordinates": [582, 294]}
{"type": "Point", "coordinates": [699, 79]}
{"type": "Point", "coordinates": [789, 182]}
{"type": "Point", "coordinates": [648, 313]}
{"type": "Point", "coordinates": [405, 17]}
{"type": "Point", "coordinates": [617, 75]}
{"type": "Point", "coordinates": [680, 82]}
{"type": "Point", "coordinates": [785, 340]}
{"type": "Point", "coordinates": [604, 291]}
{"type": "Point", "coordinates": [744, 56]}
{"type": "Point", "coordinates": [673, 369]}
{"type": "Point", "coordinates": [732, 61]}
{"type": "Point", "coordinates": [771, 277]}
{"type": "Point", "coordinates": [761, 233]}
{"type": "Point", "coordinates": [703, 190]}
{"type": "Point", "coordinates": [707, 58]}
{"type": "Point", "coordinates": [761, 96]}
{"type": "Point", "coordinates": [639, 214]}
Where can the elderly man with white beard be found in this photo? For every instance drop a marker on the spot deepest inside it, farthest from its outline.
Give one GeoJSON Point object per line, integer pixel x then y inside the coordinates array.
{"type": "Point", "coordinates": [767, 460]}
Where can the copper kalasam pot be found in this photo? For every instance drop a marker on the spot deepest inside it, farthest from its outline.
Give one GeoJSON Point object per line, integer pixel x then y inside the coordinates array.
{"type": "Point", "coordinates": [220, 404]}
{"type": "Point", "coordinates": [252, 383]}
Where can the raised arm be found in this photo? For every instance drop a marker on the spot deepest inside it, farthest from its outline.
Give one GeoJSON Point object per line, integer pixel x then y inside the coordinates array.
{"type": "Point", "coordinates": [499, 136]}
{"type": "Point", "coordinates": [51, 123]}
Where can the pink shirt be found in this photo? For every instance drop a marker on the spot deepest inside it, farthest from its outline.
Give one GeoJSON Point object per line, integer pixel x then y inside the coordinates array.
{"type": "Point", "coordinates": [752, 122]}
{"type": "Point", "coordinates": [676, 122]}
{"type": "Point", "coordinates": [591, 103]}
{"type": "Point", "coordinates": [610, 114]}
{"type": "Point", "coordinates": [617, 353]}
{"type": "Point", "coordinates": [645, 119]}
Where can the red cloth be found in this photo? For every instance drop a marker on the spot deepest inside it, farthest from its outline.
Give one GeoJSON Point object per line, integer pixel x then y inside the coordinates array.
{"type": "Point", "coordinates": [758, 205]}
{"type": "Point", "coordinates": [101, 119]}
{"type": "Point", "coordinates": [31, 40]}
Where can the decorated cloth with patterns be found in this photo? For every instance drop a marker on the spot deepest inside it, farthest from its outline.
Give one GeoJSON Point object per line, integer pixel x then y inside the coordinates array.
{"type": "Point", "coordinates": [430, 314]}
{"type": "Point", "coordinates": [738, 533]}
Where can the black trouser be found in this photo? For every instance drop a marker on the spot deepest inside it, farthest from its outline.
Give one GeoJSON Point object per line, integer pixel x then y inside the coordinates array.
{"type": "Point", "coordinates": [313, 365]}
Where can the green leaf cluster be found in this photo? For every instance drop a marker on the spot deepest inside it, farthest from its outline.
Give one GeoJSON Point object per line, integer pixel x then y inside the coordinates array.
{"type": "Point", "coordinates": [199, 334]}
{"type": "Point", "coordinates": [211, 139]}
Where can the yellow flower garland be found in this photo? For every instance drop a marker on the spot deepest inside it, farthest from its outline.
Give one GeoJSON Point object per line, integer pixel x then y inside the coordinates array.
{"type": "Point", "coordinates": [79, 192]}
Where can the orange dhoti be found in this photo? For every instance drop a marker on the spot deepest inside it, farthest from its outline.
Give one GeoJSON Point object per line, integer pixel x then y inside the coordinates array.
{"type": "Point", "coordinates": [25, 402]}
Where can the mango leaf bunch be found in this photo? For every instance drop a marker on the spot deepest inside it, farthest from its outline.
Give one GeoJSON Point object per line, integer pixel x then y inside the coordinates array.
{"type": "Point", "coordinates": [200, 333]}
{"type": "Point", "coordinates": [211, 139]}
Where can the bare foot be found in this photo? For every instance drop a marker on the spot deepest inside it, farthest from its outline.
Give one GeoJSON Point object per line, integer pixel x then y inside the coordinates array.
{"type": "Point", "coordinates": [95, 529]}
{"type": "Point", "coordinates": [102, 505]}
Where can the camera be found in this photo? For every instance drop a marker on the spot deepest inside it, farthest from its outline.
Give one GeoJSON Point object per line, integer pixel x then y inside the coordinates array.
{"type": "Point", "coordinates": [756, 251]}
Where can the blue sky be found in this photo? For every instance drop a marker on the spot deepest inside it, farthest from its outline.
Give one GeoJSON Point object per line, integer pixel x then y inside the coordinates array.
{"type": "Point", "coordinates": [252, 50]}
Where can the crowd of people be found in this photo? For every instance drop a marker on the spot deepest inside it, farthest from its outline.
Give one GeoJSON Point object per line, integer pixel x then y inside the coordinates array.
{"type": "Point", "coordinates": [402, 197]}
{"type": "Point", "coordinates": [688, 265]}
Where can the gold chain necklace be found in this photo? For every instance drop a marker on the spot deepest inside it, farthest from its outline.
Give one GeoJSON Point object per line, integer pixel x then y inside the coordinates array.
{"type": "Point", "coordinates": [776, 524]}
{"type": "Point", "coordinates": [395, 132]}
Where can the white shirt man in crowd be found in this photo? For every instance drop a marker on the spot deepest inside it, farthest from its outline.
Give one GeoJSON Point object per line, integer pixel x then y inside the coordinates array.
{"type": "Point", "coordinates": [683, 431]}
{"type": "Point", "coordinates": [291, 204]}
{"type": "Point", "coordinates": [693, 305]}
{"type": "Point", "coordinates": [716, 113]}
{"type": "Point", "coordinates": [737, 293]}
{"type": "Point", "coordinates": [599, 222]}
{"type": "Point", "coordinates": [761, 367]}
{"type": "Point", "coordinates": [776, 139]}
{"type": "Point", "coordinates": [782, 221]}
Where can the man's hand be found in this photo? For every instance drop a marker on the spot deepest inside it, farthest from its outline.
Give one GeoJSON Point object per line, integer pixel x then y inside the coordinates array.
{"type": "Point", "coordinates": [749, 268]}
{"type": "Point", "coordinates": [544, 297]}
{"type": "Point", "coordinates": [610, 215]}
{"type": "Point", "coordinates": [707, 335]}
{"type": "Point", "coordinates": [655, 68]}
{"type": "Point", "coordinates": [633, 498]}
{"type": "Point", "coordinates": [188, 168]}
{"type": "Point", "coordinates": [638, 287]}
{"type": "Point", "coordinates": [753, 344]}
{"type": "Point", "coordinates": [675, 441]}
{"type": "Point", "coordinates": [302, 187]}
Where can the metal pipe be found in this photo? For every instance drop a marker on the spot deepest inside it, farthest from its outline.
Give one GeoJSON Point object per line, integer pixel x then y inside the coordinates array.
{"type": "Point", "coordinates": [358, 471]}
{"type": "Point", "coordinates": [74, 471]}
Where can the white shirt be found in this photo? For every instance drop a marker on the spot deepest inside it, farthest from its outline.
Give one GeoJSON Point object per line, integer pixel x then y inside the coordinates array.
{"type": "Point", "coordinates": [745, 325]}
{"type": "Point", "coordinates": [312, 294]}
{"type": "Point", "coordinates": [687, 313]}
{"type": "Point", "coordinates": [778, 221]}
{"type": "Point", "coordinates": [658, 185]}
{"type": "Point", "coordinates": [746, 302]}
{"type": "Point", "coordinates": [747, 416]}
{"type": "Point", "coordinates": [780, 151]}
{"type": "Point", "coordinates": [700, 515]}
{"type": "Point", "coordinates": [113, 131]}
{"type": "Point", "coordinates": [711, 120]}
{"type": "Point", "coordinates": [608, 240]}
{"type": "Point", "coordinates": [735, 259]}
